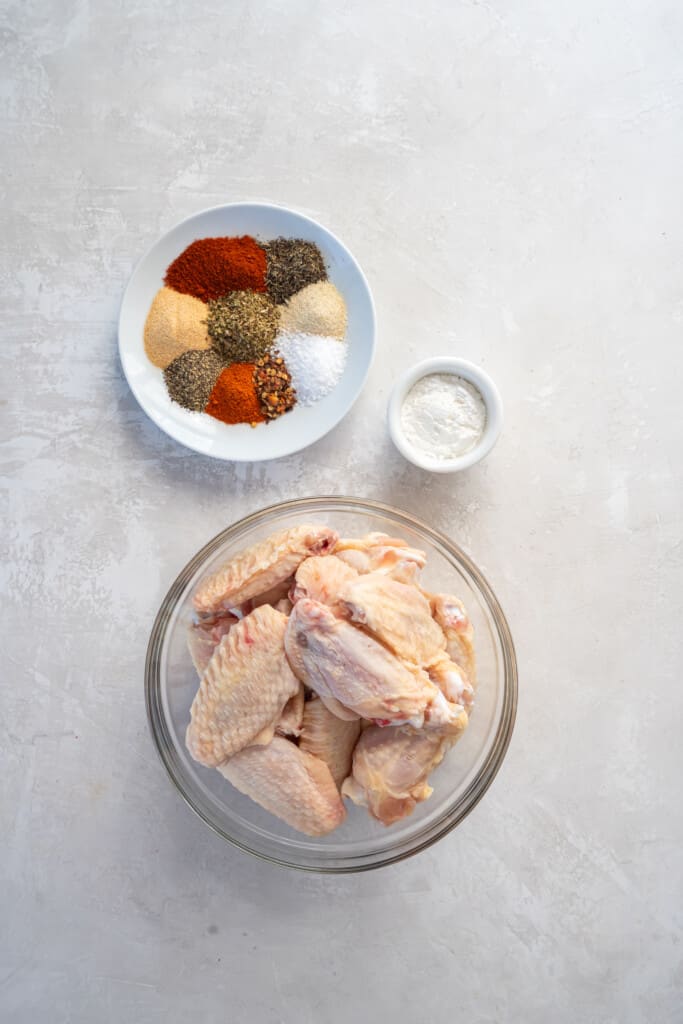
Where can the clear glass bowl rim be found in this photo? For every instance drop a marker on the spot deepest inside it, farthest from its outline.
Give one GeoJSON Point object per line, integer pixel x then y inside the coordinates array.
{"type": "Point", "coordinates": [467, 802]}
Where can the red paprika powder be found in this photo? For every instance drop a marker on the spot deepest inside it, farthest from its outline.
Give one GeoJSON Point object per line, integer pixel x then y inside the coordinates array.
{"type": "Point", "coordinates": [234, 399]}
{"type": "Point", "coordinates": [211, 267]}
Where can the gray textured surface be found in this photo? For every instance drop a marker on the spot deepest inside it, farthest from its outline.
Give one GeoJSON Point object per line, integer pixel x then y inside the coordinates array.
{"type": "Point", "coordinates": [508, 175]}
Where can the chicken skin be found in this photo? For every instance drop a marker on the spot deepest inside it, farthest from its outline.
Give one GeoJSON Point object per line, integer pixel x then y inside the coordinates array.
{"type": "Point", "coordinates": [396, 613]}
{"type": "Point", "coordinates": [451, 615]}
{"type": "Point", "coordinates": [321, 578]}
{"type": "Point", "coordinates": [290, 783]}
{"type": "Point", "coordinates": [291, 720]}
{"type": "Point", "coordinates": [244, 689]}
{"type": "Point", "coordinates": [260, 568]}
{"type": "Point", "coordinates": [377, 552]}
{"type": "Point", "coordinates": [390, 771]}
{"type": "Point", "coordinates": [204, 637]}
{"type": "Point", "coordinates": [329, 738]}
{"type": "Point", "coordinates": [349, 669]}
{"type": "Point", "coordinates": [452, 680]}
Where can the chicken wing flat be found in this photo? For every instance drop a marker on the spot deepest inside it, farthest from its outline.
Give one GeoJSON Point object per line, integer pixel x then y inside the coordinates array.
{"type": "Point", "coordinates": [345, 666]}
{"type": "Point", "coordinates": [390, 771]}
{"type": "Point", "coordinates": [244, 689]}
{"type": "Point", "coordinates": [329, 738]}
{"type": "Point", "coordinates": [290, 783]}
{"type": "Point", "coordinates": [261, 567]}
{"type": "Point", "coordinates": [396, 613]}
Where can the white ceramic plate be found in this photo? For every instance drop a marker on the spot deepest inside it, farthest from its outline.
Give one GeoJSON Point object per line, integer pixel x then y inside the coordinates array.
{"type": "Point", "coordinates": [298, 428]}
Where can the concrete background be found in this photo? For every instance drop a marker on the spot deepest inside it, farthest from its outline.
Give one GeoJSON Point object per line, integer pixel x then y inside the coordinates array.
{"type": "Point", "coordinates": [509, 176]}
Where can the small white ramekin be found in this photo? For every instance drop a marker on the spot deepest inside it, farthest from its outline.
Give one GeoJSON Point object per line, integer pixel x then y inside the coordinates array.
{"type": "Point", "coordinates": [484, 385]}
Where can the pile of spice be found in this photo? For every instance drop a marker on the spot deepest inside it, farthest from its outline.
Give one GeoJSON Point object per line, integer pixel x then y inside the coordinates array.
{"type": "Point", "coordinates": [313, 376]}
{"type": "Point", "coordinates": [245, 330]}
{"type": "Point", "coordinates": [175, 324]}
{"type": "Point", "coordinates": [242, 325]}
{"type": "Point", "coordinates": [212, 267]}
{"type": "Point", "coordinates": [191, 377]}
{"type": "Point", "coordinates": [292, 263]}
{"type": "Point", "coordinates": [234, 398]}
{"type": "Point", "coordinates": [273, 384]}
{"type": "Point", "coordinates": [317, 309]}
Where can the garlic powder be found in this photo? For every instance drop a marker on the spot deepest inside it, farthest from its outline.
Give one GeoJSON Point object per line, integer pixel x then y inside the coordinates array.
{"type": "Point", "coordinates": [443, 416]}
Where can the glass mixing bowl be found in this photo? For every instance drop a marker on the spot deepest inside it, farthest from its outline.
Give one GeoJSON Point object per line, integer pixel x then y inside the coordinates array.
{"type": "Point", "coordinates": [360, 843]}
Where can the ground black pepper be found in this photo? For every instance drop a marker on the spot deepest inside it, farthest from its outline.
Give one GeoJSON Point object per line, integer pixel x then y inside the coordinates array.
{"type": "Point", "coordinates": [191, 377]}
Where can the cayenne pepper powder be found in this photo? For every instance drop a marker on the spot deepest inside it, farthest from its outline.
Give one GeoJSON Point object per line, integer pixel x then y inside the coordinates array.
{"type": "Point", "coordinates": [233, 399]}
{"type": "Point", "coordinates": [211, 267]}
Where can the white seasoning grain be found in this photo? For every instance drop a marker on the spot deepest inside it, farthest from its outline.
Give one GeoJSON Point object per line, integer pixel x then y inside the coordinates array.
{"type": "Point", "coordinates": [315, 361]}
{"type": "Point", "coordinates": [443, 415]}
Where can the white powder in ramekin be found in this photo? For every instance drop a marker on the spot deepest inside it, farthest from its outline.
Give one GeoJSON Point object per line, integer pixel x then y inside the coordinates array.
{"type": "Point", "coordinates": [443, 416]}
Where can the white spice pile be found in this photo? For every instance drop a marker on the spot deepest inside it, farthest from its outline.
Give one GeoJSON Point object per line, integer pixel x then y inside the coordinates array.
{"type": "Point", "coordinates": [317, 309]}
{"type": "Point", "coordinates": [316, 363]}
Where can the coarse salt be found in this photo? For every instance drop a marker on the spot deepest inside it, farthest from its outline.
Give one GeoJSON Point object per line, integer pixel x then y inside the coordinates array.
{"type": "Point", "coordinates": [315, 362]}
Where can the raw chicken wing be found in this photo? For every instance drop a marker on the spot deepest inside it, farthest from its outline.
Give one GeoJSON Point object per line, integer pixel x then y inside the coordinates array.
{"type": "Point", "coordinates": [204, 637]}
{"type": "Point", "coordinates": [243, 690]}
{"type": "Point", "coordinates": [329, 738]}
{"type": "Point", "coordinates": [376, 552]}
{"type": "Point", "coordinates": [396, 613]}
{"type": "Point", "coordinates": [390, 771]}
{"type": "Point", "coordinates": [289, 783]}
{"type": "Point", "coordinates": [451, 615]}
{"type": "Point", "coordinates": [391, 667]}
{"type": "Point", "coordinates": [347, 668]}
{"type": "Point", "coordinates": [321, 579]}
{"type": "Point", "coordinates": [261, 567]}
